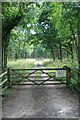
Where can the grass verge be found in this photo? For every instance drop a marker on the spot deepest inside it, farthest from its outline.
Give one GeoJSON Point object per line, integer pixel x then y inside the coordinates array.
{"type": "Point", "coordinates": [49, 63]}
{"type": "Point", "coordinates": [22, 63]}
{"type": "Point", "coordinates": [17, 76]}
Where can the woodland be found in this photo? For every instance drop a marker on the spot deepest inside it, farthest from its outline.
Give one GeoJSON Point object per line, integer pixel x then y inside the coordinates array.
{"type": "Point", "coordinates": [41, 30]}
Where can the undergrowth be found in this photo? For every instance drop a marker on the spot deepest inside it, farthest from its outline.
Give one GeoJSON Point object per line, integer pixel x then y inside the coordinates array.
{"type": "Point", "coordinates": [17, 76]}
{"type": "Point", "coordinates": [22, 63]}
{"type": "Point", "coordinates": [73, 64]}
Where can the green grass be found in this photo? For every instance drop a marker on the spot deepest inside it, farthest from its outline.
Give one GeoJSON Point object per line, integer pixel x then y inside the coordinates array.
{"type": "Point", "coordinates": [23, 63]}
{"type": "Point", "coordinates": [49, 63]}
{"type": "Point", "coordinates": [38, 74]}
{"type": "Point", "coordinates": [20, 64]}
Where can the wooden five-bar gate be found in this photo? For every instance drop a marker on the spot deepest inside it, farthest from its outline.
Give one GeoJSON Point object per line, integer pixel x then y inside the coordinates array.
{"type": "Point", "coordinates": [41, 76]}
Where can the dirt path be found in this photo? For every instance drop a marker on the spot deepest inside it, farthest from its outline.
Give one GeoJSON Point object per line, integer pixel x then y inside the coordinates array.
{"type": "Point", "coordinates": [49, 101]}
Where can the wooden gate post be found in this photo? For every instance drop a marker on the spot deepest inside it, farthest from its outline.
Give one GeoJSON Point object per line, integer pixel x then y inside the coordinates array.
{"type": "Point", "coordinates": [8, 77]}
{"type": "Point", "coordinates": [68, 72]}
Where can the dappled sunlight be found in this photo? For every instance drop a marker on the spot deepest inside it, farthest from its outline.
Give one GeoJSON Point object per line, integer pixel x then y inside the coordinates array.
{"type": "Point", "coordinates": [40, 46]}
{"type": "Point", "coordinates": [65, 109]}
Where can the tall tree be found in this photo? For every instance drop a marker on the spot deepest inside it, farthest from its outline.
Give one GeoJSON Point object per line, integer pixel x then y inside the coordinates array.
{"type": "Point", "coordinates": [12, 14]}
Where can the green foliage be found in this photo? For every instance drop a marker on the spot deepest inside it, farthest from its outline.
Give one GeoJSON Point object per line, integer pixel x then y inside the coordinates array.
{"type": "Point", "coordinates": [57, 63]}
{"type": "Point", "coordinates": [50, 24]}
{"type": "Point", "coordinates": [74, 78]}
{"type": "Point", "coordinates": [51, 28]}
{"type": "Point", "coordinates": [22, 63]}
{"type": "Point", "coordinates": [74, 84]}
{"type": "Point", "coordinates": [66, 62]}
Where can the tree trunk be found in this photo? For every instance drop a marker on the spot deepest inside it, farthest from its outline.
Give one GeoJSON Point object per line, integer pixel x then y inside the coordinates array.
{"type": "Point", "coordinates": [79, 54]}
{"type": "Point", "coordinates": [60, 51]}
{"type": "Point", "coordinates": [5, 41]}
{"type": "Point", "coordinates": [0, 48]}
{"type": "Point", "coordinates": [5, 60]}
{"type": "Point", "coordinates": [74, 38]}
{"type": "Point", "coordinates": [4, 54]}
{"type": "Point", "coordinates": [0, 39]}
{"type": "Point", "coordinates": [52, 52]}
{"type": "Point", "coordinates": [24, 45]}
{"type": "Point", "coordinates": [71, 49]}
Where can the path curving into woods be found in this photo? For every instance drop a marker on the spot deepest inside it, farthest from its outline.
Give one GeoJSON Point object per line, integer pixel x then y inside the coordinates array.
{"type": "Point", "coordinates": [49, 101]}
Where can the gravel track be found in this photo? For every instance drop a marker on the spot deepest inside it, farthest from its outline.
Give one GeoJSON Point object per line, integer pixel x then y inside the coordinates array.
{"type": "Point", "coordinates": [45, 101]}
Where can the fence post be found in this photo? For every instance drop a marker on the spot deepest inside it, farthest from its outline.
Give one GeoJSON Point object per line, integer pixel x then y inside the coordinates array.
{"type": "Point", "coordinates": [8, 77]}
{"type": "Point", "coordinates": [68, 70]}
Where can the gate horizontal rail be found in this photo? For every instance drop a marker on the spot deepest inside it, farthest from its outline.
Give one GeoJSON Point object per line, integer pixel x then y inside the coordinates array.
{"type": "Point", "coordinates": [43, 69]}
{"type": "Point", "coordinates": [28, 74]}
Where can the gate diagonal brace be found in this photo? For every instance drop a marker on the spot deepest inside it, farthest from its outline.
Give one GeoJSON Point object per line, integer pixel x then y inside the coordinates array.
{"type": "Point", "coordinates": [30, 74]}
{"type": "Point", "coordinates": [44, 81]}
{"type": "Point", "coordinates": [27, 76]}
{"type": "Point", "coordinates": [18, 74]}
{"type": "Point", "coordinates": [22, 75]}
{"type": "Point", "coordinates": [32, 81]}
{"type": "Point", "coordinates": [47, 74]}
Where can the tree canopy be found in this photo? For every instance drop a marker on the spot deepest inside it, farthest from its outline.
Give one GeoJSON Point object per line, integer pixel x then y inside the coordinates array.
{"type": "Point", "coordinates": [51, 26]}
